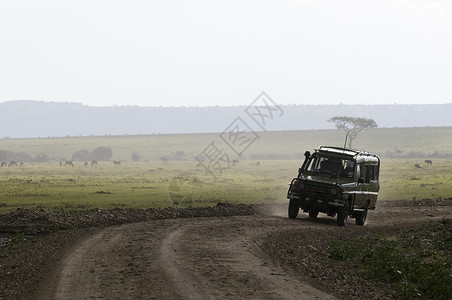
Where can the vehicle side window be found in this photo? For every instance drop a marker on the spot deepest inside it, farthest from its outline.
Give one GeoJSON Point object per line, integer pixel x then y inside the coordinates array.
{"type": "Point", "coordinates": [374, 172]}
{"type": "Point", "coordinates": [347, 168]}
{"type": "Point", "coordinates": [367, 174]}
{"type": "Point", "coordinates": [363, 171]}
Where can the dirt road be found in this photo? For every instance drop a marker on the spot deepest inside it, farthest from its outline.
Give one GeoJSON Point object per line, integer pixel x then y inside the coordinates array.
{"type": "Point", "coordinates": [201, 258]}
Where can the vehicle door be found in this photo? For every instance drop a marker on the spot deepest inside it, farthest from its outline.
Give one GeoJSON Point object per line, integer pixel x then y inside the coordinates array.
{"type": "Point", "coordinates": [363, 183]}
{"type": "Point", "coordinates": [374, 184]}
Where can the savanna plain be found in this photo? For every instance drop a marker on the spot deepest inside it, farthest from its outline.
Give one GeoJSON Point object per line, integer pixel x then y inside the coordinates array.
{"type": "Point", "coordinates": [403, 251]}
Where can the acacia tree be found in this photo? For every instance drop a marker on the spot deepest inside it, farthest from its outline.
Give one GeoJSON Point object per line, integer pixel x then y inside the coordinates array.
{"type": "Point", "coordinates": [352, 126]}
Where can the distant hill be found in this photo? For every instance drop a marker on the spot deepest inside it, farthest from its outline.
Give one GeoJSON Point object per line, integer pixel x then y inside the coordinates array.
{"type": "Point", "coordinates": [29, 118]}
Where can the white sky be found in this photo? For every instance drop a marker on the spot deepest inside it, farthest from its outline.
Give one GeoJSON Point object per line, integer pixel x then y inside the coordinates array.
{"type": "Point", "coordinates": [205, 52]}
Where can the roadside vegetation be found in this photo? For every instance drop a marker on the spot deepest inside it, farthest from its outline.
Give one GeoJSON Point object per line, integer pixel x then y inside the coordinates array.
{"type": "Point", "coordinates": [416, 262]}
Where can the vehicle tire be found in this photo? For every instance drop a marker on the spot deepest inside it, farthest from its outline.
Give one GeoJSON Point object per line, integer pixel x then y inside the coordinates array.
{"type": "Point", "coordinates": [293, 209]}
{"type": "Point", "coordinates": [361, 216]}
{"type": "Point", "coordinates": [313, 214]}
{"type": "Point", "coordinates": [342, 215]}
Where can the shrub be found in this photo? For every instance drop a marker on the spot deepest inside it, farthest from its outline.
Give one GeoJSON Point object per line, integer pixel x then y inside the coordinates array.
{"type": "Point", "coordinates": [102, 153]}
{"type": "Point", "coordinates": [82, 155]}
{"type": "Point", "coordinates": [136, 156]}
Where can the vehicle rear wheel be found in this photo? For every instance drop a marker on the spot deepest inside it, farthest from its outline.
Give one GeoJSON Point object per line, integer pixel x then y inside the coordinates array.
{"type": "Point", "coordinates": [361, 216]}
{"type": "Point", "coordinates": [293, 209]}
{"type": "Point", "coordinates": [342, 214]}
{"type": "Point", "coordinates": [313, 214]}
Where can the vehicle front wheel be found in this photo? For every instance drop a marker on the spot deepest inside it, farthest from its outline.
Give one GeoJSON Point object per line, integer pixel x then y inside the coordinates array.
{"type": "Point", "coordinates": [313, 214]}
{"type": "Point", "coordinates": [342, 214]}
{"type": "Point", "coordinates": [293, 209]}
{"type": "Point", "coordinates": [361, 216]}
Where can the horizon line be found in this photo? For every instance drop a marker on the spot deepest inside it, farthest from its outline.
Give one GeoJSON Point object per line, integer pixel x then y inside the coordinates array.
{"type": "Point", "coordinates": [217, 105]}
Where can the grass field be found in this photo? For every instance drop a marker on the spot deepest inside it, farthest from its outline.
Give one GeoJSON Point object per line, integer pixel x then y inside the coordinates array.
{"type": "Point", "coordinates": [140, 185]}
{"type": "Point", "coordinates": [156, 183]}
{"type": "Point", "coordinates": [412, 142]}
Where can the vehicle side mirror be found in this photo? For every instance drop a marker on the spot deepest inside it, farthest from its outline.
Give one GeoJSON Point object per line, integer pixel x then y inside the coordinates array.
{"type": "Point", "coordinates": [360, 180]}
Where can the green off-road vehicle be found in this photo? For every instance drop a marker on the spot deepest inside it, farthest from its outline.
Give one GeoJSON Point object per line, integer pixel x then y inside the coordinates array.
{"type": "Point", "coordinates": [336, 181]}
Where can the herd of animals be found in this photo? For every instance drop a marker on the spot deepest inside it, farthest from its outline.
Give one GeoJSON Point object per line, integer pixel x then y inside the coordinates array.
{"type": "Point", "coordinates": [62, 163]}
{"type": "Point", "coordinates": [117, 162]}
{"type": "Point", "coordinates": [427, 161]}
{"type": "Point", "coordinates": [93, 162]}
{"type": "Point", "coordinates": [11, 164]}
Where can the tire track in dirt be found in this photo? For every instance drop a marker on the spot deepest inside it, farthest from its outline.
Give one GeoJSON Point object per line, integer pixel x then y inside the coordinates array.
{"type": "Point", "coordinates": [73, 278]}
{"type": "Point", "coordinates": [173, 266]}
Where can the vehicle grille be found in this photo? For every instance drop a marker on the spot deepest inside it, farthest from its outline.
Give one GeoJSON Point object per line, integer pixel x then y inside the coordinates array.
{"type": "Point", "coordinates": [315, 190]}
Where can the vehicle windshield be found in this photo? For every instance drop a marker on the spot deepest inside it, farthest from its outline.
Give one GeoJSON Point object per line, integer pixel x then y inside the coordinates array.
{"type": "Point", "coordinates": [331, 165]}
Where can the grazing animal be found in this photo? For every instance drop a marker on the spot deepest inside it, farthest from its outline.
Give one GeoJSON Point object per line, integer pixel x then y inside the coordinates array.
{"type": "Point", "coordinates": [428, 162]}
{"type": "Point", "coordinates": [68, 162]}
{"type": "Point", "coordinates": [21, 164]}
{"type": "Point", "coordinates": [12, 163]}
{"type": "Point", "coordinates": [258, 164]}
{"type": "Point", "coordinates": [235, 162]}
{"type": "Point", "coordinates": [94, 162]}
{"type": "Point", "coordinates": [85, 164]}
{"type": "Point", "coordinates": [116, 162]}
{"type": "Point", "coordinates": [418, 166]}
{"type": "Point", "coordinates": [61, 163]}
{"type": "Point", "coordinates": [4, 164]}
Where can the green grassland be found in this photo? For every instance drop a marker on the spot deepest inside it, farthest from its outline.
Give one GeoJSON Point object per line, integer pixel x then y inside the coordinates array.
{"type": "Point", "coordinates": [156, 183]}
{"type": "Point", "coordinates": [140, 185]}
{"type": "Point", "coordinates": [415, 142]}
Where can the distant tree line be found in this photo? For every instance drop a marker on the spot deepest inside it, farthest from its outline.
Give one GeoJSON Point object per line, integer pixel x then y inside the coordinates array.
{"type": "Point", "coordinates": [398, 153]}
{"type": "Point", "coordinates": [106, 154]}
{"type": "Point", "coordinates": [100, 154]}
{"type": "Point", "coordinates": [21, 156]}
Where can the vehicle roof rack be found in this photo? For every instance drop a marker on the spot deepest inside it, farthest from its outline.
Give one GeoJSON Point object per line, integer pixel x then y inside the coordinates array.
{"type": "Point", "coordinates": [341, 150]}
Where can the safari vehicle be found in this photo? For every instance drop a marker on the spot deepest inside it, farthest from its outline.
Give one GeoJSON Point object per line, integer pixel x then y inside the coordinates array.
{"type": "Point", "coordinates": [336, 181]}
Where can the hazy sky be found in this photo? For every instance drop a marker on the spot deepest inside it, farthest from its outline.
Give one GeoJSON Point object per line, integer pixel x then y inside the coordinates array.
{"type": "Point", "coordinates": [204, 52]}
